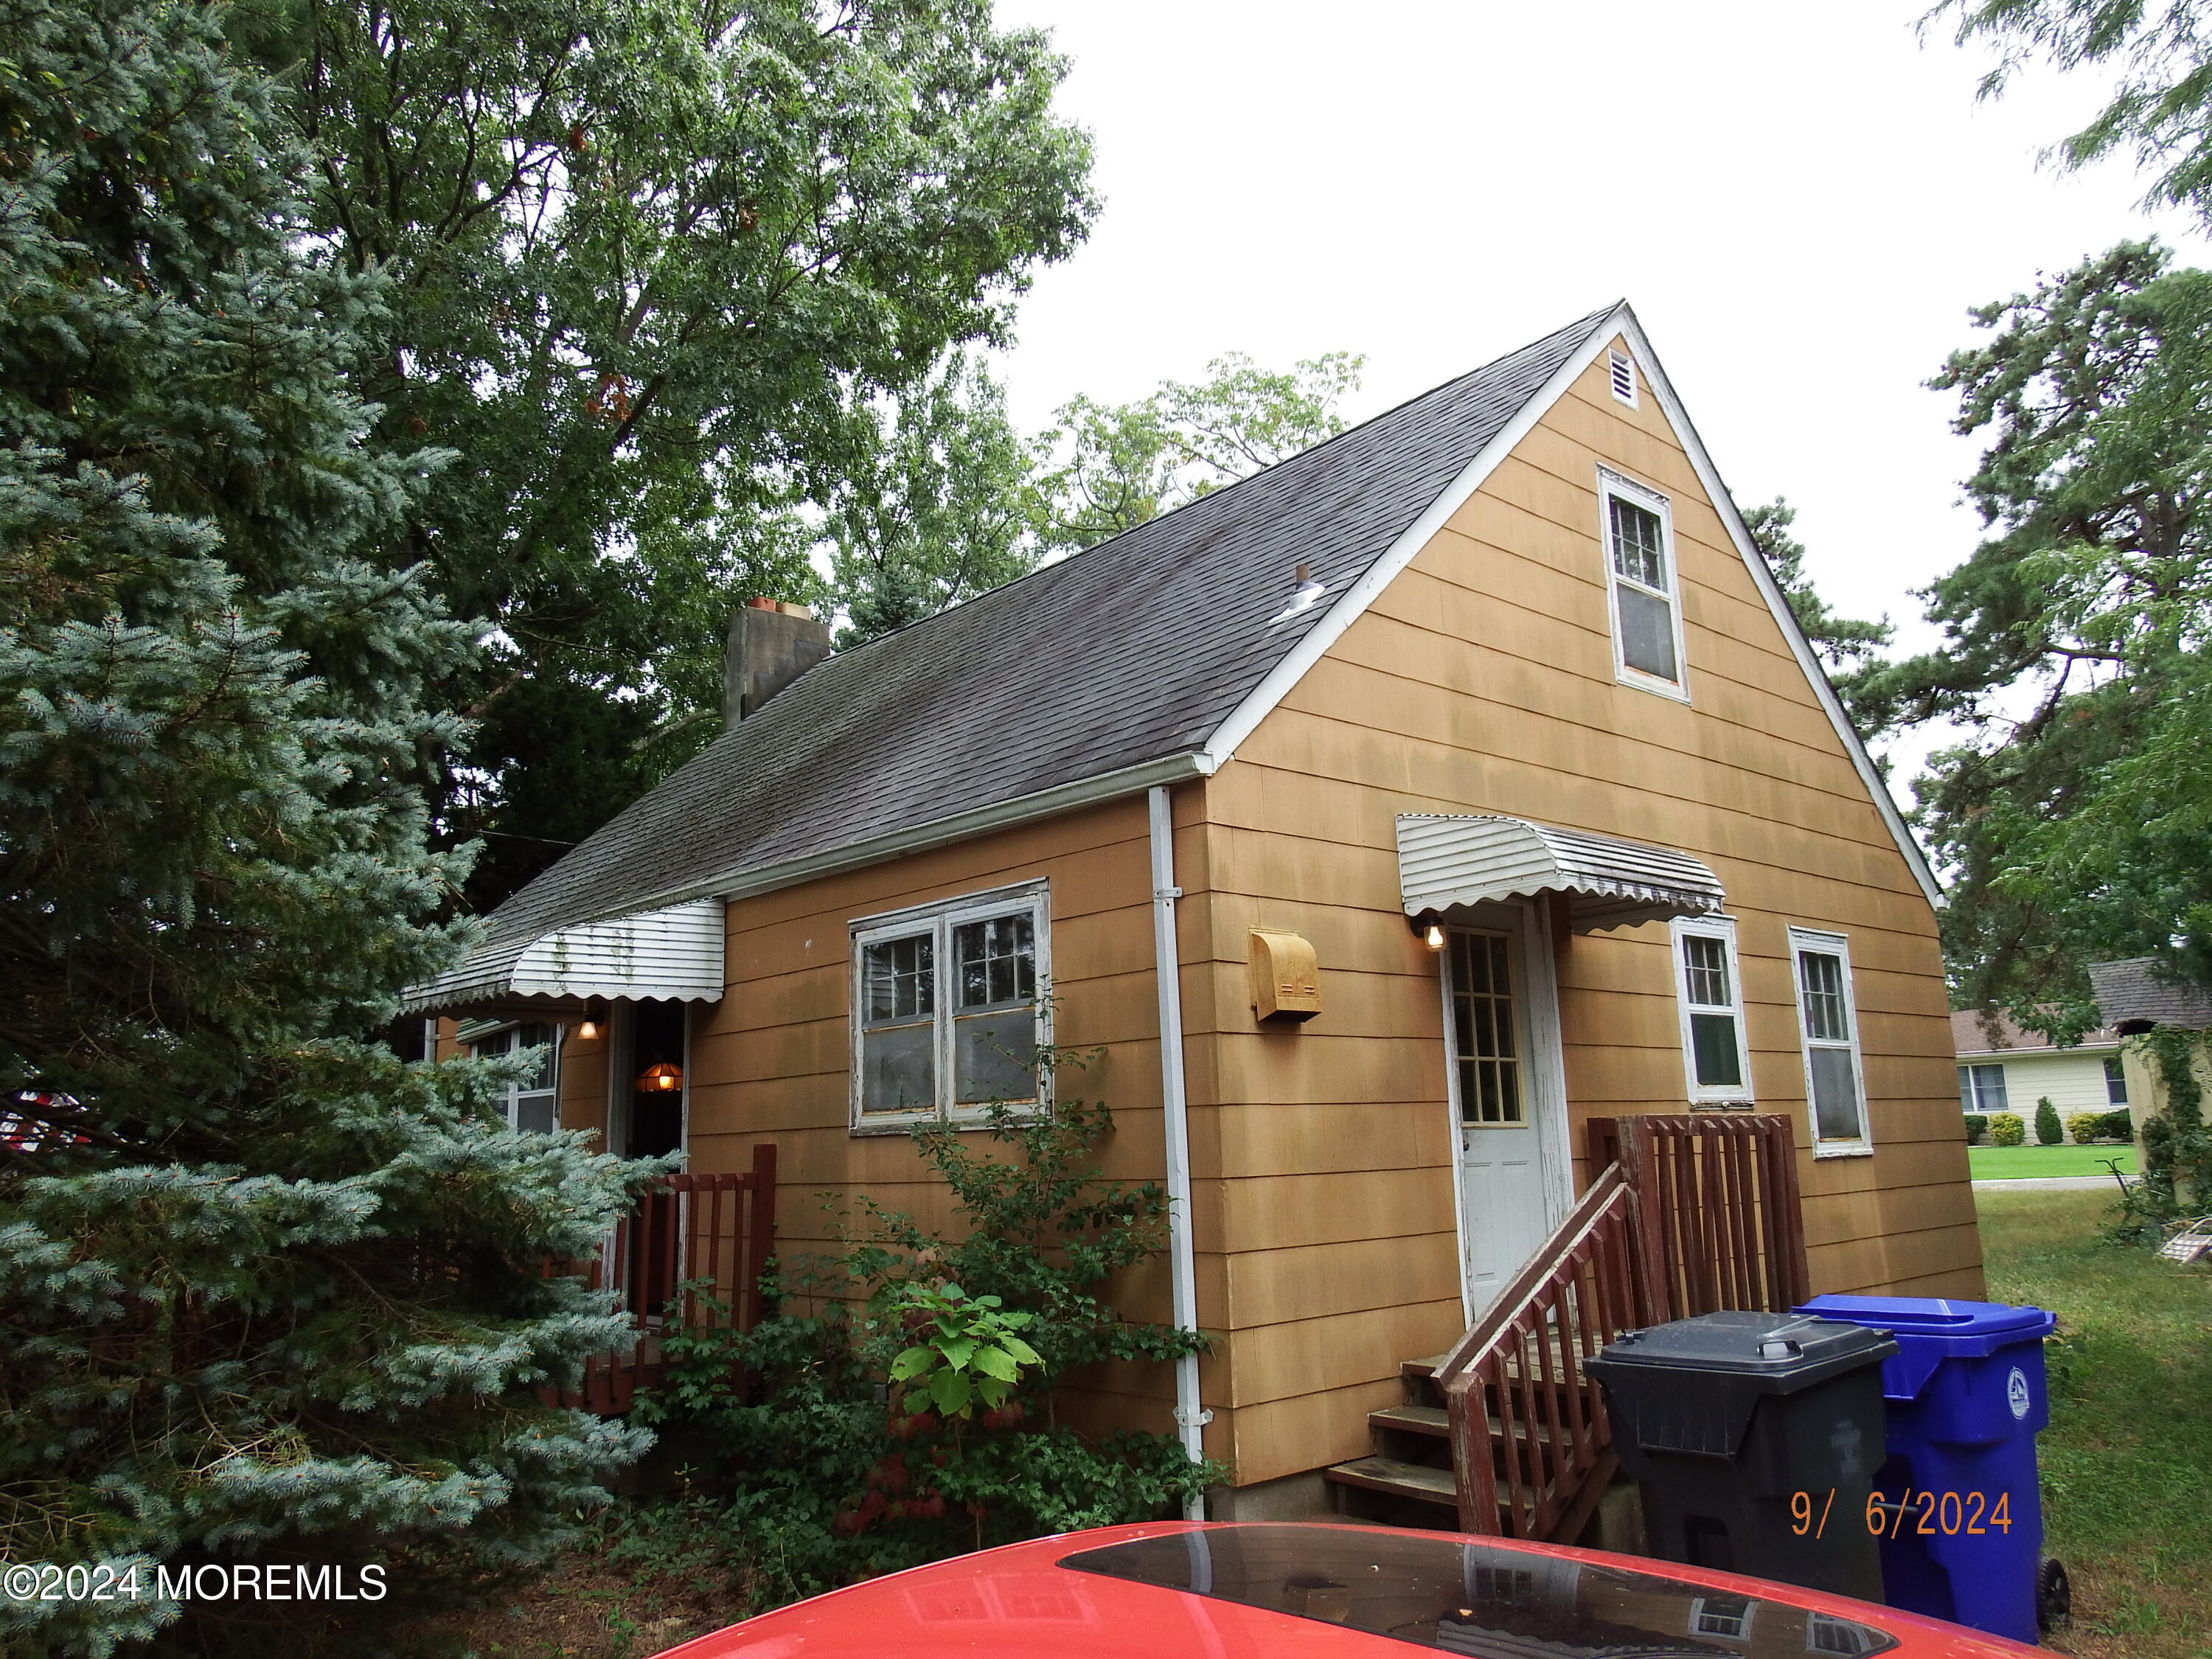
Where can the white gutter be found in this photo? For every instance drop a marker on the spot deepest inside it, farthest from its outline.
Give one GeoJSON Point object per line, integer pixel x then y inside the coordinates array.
{"type": "Point", "coordinates": [1190, 1416]}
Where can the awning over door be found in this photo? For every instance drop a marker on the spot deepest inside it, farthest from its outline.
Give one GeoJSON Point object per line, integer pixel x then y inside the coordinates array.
{"type": "Point", "coordinates": [1446, 861]}
{"type": "Point", "coordinates": [674, 953]}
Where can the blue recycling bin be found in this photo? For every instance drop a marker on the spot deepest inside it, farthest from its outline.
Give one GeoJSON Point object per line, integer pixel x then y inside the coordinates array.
{"type": "Point", "coordinates": [1962, 1533]}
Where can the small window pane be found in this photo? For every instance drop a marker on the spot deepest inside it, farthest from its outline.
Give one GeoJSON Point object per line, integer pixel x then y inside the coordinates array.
{"type": "Point", "coordinates": [996, 961]}
{"type": "Point", "coordinates": [994, 1057]}
{"type": "Point", "coordinates": [902, 978]}
{"type": "Point", "coordinates": [1965, 1089]}
{"type": "Point", "coordinates": [1647, 632]}
{"type": "Point", "coordinates": [1483, 1030]}
{"type": "Point", "coordinates": [540, 1037]}
{"type": "Point", "coordinates": [1827, 1016]}
{"type": "Point", "coordinates": [536, 1111]}
{"type": "Point", "coordinates": [1638, 551]}
{"type": "Point", "coordinates": [1705, 968]}
{"type": "Point", "coordinates": [1835, 1096]}
{"type": "Point", "coordinates": [1712, 1040]}
{"type": "Point", "coordinates": [899, 1069]}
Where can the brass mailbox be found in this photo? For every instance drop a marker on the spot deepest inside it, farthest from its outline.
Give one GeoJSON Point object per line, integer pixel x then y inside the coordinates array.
{"type": "Point", "coordinates": [1284, 978]}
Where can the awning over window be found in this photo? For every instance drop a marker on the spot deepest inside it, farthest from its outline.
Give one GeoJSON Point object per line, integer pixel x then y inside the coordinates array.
{"type": "Point", "coordinates": [1447, 861]}
{"type": "Point", "coordinates": [676, 952]}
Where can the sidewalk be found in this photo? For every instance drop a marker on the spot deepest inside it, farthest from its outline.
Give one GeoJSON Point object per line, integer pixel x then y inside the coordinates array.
{"type": "Point", "coordinates": [2051, 1184]}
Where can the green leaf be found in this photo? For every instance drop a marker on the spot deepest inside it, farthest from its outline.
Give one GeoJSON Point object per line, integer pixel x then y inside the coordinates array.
{"type": "Point", "coordinates": [958, 1350]}
{"type": "Point", "coordinates": [997, 1362]}
{"type": "Point", "coordinates": [912, 1364]}
{"type": "Point", "coordinates": [1021, 1350]}
{"type": "Point", "coordinates": [951, 1390]}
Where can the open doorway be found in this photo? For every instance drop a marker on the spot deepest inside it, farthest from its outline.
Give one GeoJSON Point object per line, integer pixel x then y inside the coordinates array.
{"type": "Point", "coordinates": [649, 1078]}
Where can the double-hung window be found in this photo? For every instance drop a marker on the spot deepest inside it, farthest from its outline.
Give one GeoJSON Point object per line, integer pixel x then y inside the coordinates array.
{"type": "Point", "coordinates": [533, 1102]}
{"type": "Point", "coordinates": [949, 1009]}
{"type": "Point", "coordinates": [2116, 1082]}
{"type": "Point", "coordinates": [1643, 592]}
{"type": "Point", "coordinates": [1982, 1089]}
{"type": "Point", "coordinates": [1710, 993]}
{"type": "Point", "coordinates": [1827, 1020]}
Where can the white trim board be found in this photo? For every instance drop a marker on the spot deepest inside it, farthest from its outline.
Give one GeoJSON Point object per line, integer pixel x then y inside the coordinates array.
{"type": "Point", "coordinates": [1354, 603]}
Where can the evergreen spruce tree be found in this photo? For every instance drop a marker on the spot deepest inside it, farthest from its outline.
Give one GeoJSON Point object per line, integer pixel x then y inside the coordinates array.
{"type": "Point", "coordinates": [266, 1292]}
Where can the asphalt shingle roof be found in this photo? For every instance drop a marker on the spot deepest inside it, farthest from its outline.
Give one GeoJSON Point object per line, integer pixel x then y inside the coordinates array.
{"type": "Point", "coordinates": [2135, 989]}
{"type": "Point", "coordinates": [1971, 1028]}
{"type": "Point", "coordinates": [1133, 651]}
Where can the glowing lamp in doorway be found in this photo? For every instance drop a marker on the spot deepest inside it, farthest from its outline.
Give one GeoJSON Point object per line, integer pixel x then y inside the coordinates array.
{"type": "Point", "coordinates": [660, 1079]}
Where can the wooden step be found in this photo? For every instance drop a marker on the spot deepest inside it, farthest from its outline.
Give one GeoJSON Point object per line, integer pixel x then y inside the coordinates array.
{"type": "Point", "coordinates": [1398, 1480]}
{"type": "Point", "coordinates": [1412, 1420]}
{"type": "Point", "coordinates": [1422, 1368]}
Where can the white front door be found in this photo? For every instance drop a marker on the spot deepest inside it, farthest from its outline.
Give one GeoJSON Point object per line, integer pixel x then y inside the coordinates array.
{"type": "Point", "coordinates": [1507, 1107]}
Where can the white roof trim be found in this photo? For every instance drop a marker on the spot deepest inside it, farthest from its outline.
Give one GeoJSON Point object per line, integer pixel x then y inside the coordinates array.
{"type": "Point", "coordinates": [1445, 861]}
{"type": "Point", "coordinates": [1353, 604]}
{"type": "Point", "coordinates": [672, 953]}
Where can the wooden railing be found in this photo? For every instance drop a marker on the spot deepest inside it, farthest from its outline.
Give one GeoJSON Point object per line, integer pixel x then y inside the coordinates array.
{"type": "Point", "coordinates": [1723, 1227]}
{"type": "Point", "coordinates": [688, 1229]}
{"type": "Point", "coordinates": [1683, 1215]}
{"type": "Point", "coordinates": [1531, 1448]}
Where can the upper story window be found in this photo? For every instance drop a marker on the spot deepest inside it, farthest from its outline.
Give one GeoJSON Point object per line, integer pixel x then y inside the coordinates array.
{"type": "Point", "coordinates": [1710, 993]}
{"type": "Point", "coordinates": [1643, 593]}
{"type": "Point", "coordinates": [949, 1009]}
{"type": "Point", "coordinates": [1982, 1089]}
{"type": "Point", "coordinates": [535, 1102]}
{"type": "Point", "coordinates": [1827, 1019]}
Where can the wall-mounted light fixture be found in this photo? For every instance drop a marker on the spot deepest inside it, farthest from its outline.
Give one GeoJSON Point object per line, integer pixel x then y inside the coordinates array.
{"type": "Point", "coordinates": [593, 1026]}
{"type": "Point", "coordinates": [660, 1079]}
{"type": "Point", "coordinates": [1429, 926]}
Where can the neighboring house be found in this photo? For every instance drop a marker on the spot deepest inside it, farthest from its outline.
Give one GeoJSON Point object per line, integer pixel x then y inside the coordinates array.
{"type": "Point", "coordinates": [2135, 998]}
{"type": "Point", "coordinates": [2003, 1068]}
{"type": "Point", "coordinates": [1471, 778]}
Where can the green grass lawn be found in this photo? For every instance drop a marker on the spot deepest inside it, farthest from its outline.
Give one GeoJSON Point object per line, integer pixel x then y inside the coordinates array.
{"type": "Point", "coordinates": [2012, 1163]}
{"type": "Point", "coordinates": [2127, 1461]}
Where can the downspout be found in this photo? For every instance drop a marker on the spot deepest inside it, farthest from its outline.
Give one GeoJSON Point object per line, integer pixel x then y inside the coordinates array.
{"type": "Point", "coordinates": [1190, 1418]}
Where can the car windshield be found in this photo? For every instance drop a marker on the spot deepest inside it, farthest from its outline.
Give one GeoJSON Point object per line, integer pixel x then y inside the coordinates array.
{"type": "Point", "coordinates": [1479, 1599]}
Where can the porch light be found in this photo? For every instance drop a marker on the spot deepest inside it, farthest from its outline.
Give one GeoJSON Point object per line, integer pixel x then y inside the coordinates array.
{"type": "Point", "coordinates": [660, 1079]}
{"type": "Point", "coordinates": [1434, 938]}
{"type": "Point", "coordinates": [1429, 926]}
{"type": "Point", "coordinates": [594, 1024]}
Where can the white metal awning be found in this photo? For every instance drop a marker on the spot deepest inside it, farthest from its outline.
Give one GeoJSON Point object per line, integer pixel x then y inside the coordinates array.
{"type": "Point", "coordinates": [1447, 861]}
{"type": "Point", "coordinates": [675, 952]}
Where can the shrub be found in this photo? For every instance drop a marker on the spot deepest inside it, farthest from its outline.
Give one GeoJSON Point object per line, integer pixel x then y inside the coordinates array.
{"type": "Point", "coordinates": [2048, 1130]}
{"type": "Point", "coordinates": [2118, 1126]}
{"type": "Point", "coordinates": [1977, 1125]}
{"type": "Point", "coordinates": [2005, 1129]}
{"type": "Point", "coordinates": [915, 1416]}
{"type": "Point", "coordinates": [2082, 1127]}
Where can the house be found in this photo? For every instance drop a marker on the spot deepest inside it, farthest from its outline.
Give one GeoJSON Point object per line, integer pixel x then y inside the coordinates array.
{"type": "Point", "coordinates": [2135, 998]}
{"type": "Point", "coordinates": [2003, 1068]}
{"type": "Point", "coordinates": [1450, 786]}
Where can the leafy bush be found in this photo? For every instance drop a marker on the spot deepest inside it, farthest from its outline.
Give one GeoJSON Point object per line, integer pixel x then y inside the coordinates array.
{"type": "Point", "coordinates": [2048, 1130]}
{"type": "Point", "coordinates": [2005, 1129]}
{"type": "Point", "coordinates": [2118, 1126]}
{"type": "Point", "coordinates": [1977, 1125]}
{"type": "Point", "coordinates": [2082, 1127]}
{"type": "Point", "coordinates": [914, 1415]}
{"type": "Point", "coordinates": [2177, 1144]}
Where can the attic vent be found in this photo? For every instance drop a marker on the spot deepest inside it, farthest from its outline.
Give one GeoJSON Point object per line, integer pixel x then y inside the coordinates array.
{"type": "Point", "coordinates": [1624, 378]}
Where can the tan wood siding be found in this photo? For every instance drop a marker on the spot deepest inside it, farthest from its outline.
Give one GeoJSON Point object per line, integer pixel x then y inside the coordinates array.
{"type": "Point", "coordinates": [1482, 680]}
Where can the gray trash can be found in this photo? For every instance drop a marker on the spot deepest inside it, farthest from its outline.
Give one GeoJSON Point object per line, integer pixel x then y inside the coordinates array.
{"type": "Point", "coordinates": [1725, 1420]}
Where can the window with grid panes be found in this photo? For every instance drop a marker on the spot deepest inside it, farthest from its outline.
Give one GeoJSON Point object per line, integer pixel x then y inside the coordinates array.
{"type": "Point", "coordinates": [1714, 1053]}
{"type": "Point", "coordinates": [951, 1010]}
{"type": "Point", "coordinates": [1485, 1047]}
{"type": "Point", "coordinates": [1828, 1024]}
{"type": "Point", "coordinates": [1643, 590]}
{"type": "Point", "coordinates": [534, 1102]}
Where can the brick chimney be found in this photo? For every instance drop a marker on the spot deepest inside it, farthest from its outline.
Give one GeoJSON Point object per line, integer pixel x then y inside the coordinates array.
{"type": "Point", "coordinates": [771, 645]}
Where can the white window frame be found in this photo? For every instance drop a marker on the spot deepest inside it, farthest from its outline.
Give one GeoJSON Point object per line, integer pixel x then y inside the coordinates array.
{"type": "Point", "coordinates": [1612, 485]}
{"type": "Point", "coordinates": [1742, 1621]}
{"type": "Point", "coordinates": [476, 1036]}
{"type": "Point", "coordinates": [937, 920]}
{"type": "Point", "coordinates": [1972, 1090]}
{"type": "Point", "coordinates": [1723, 929]}
{"type": "Point", "coordinates": [1616, 360]}
{"type": "Point", "coordinates": [1820, 941]}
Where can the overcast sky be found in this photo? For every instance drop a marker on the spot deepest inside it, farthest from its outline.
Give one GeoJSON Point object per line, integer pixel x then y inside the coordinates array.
{"type": "Point", "coordinates": [1800, 201]}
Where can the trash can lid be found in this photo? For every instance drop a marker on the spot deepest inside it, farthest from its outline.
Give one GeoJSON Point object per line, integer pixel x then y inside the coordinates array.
{"type": "Point", "coordinates": [1774, 1352]}
{"type": "Point", "coordinates": [1932, 1329]}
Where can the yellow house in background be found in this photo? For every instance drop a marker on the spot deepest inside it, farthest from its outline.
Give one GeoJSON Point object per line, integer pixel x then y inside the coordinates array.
{"type": "Point", "coordinates": [1383, 818]}
{"type": "Point", "coordinates": [2003, 1068]}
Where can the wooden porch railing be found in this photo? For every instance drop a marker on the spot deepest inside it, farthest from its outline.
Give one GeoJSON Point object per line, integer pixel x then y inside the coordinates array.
{"type": "Point", "coordinates": [1683, 1215]}
{"type": "Point", "coordinates": [1724, 1226]}
{"type": "Point", "coordinates": [715, 1228]}
{"type": "Point", "coordinates": [1531, 1450]}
